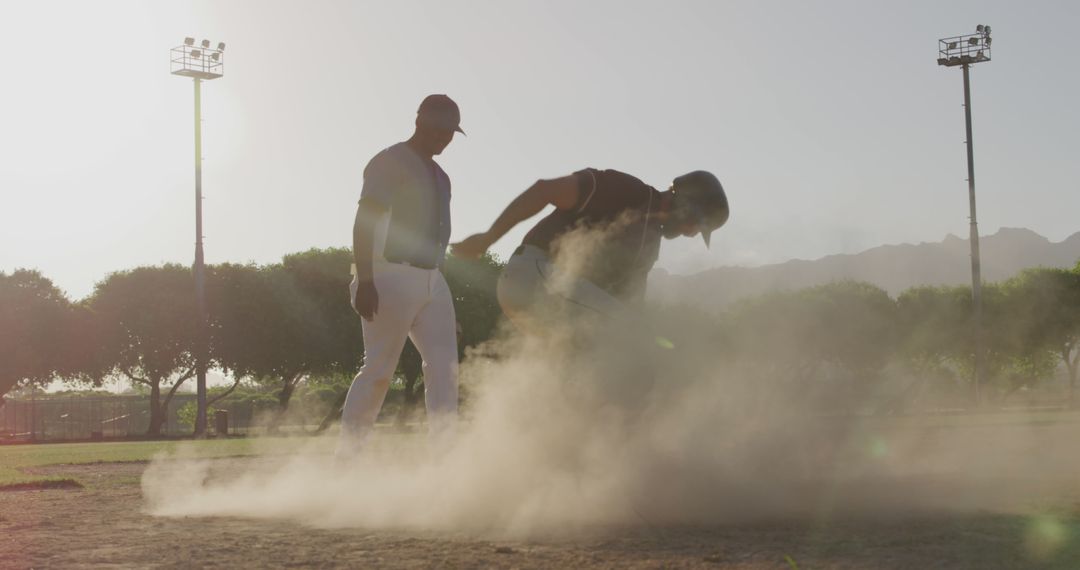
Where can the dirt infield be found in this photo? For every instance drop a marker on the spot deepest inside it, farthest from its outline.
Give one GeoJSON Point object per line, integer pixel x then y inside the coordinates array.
{"type": "Point", "coordinates": [105, 524]}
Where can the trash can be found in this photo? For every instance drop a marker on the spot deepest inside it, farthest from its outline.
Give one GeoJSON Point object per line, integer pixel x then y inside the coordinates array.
{"type": "Point", "coordinates": [221, 422]}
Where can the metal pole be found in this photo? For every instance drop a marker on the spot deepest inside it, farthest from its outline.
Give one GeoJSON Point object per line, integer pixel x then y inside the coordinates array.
{"type": "Point", "coordinates": [33, 412]}
{"type": "Point", "coordinates": [198, 270]}
{"type": "Point", "coordinates": [976, 276]}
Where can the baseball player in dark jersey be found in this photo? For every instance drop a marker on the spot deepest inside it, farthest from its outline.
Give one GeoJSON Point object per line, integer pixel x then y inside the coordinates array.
{"type": "Point", "coordinates": [593, 253]}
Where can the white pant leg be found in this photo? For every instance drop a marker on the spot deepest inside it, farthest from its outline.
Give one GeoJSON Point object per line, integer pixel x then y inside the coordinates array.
{"type": "Point", "coordinates": [434, 332]}
{"type": "Point", "coordinates": [531, 289]}
{"type": "Point", "coordinates": [402, 292]}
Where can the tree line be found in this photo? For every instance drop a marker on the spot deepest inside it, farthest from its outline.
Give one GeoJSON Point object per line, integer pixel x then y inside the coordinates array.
{"type": "Point", "coordinates": [282, 324]}
{"type": "Point", "coordinates": [849, 347]}
{"type": "Point", "coordinates": [274, 325]}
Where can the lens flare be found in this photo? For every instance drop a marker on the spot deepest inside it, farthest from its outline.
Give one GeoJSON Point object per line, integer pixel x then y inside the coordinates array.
{"type": "Point", "coordinates": [878, 447]}
{"type": "Point", "coordinates": [1044, 536]}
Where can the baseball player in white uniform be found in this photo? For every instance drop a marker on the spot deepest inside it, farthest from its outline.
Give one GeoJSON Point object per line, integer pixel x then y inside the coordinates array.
{"type": "Point", "coordinates": [400, 235]}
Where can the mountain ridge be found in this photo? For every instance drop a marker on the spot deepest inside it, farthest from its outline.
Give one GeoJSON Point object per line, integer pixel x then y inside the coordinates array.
{"type": "Point", "coordinates": [893, 267]}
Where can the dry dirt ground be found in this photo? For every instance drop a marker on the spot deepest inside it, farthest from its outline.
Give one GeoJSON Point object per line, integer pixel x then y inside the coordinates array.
{"type": "Point", "coordinates": [104, 525]}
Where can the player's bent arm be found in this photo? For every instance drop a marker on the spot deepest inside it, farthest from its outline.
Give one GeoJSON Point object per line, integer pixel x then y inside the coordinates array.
{"type": "Point", "coordinates": [367, 214]}
{"type": "Point", "coordinates": [559, 192]}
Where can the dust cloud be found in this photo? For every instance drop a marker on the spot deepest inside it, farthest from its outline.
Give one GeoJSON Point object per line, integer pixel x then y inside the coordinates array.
{"type": "Point", "coordinates": [608, 424]}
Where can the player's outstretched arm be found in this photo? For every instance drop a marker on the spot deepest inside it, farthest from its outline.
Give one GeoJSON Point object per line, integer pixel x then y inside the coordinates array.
{"type": "Point", "coordinates": [559, 192]}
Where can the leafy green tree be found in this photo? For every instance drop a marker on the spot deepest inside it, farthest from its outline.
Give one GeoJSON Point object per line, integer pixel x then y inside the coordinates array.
{"type": "Point", "coordinates": [282, 323]}
{"type": "Point", "coordinates": [149, 329]}
{"type": "Point", "coordinates": [1013, 359]}
{"type": "Point", "coordinates": [859, 321]}
{"type": "Point", "coordinates": [935, 330]}
{"type": "Point", "coordinates": [43, 336]}
{"type": "Point", "coordinates": [321, 279]}
{"type": "Point", "coordinates": [1040, 325]}
{"type": "Point", "coordinates": [330, 341]}
{"type": "Point", "coordinates": [773, 341]}
{"type": "Point", "coordinates": [1071, 348]}
{"type": "Point", "coordinates": [1025, 330]}
{"type": "Point", "coordinates": [828, 344]}
{"type": "Point", "coordinates": [260, 325]}
{"type": "Point", "coordinates": [245, 321]}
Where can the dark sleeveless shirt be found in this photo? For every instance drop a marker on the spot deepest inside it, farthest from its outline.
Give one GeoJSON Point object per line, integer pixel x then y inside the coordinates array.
{"type": "Point", "coordinates": [624, 209]}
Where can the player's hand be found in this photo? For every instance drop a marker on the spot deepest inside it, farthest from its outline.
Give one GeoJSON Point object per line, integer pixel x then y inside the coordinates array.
{"type": "Point", "coordinates": [472, 247]}
{"type": "Point", "coordinates": [366, 302]}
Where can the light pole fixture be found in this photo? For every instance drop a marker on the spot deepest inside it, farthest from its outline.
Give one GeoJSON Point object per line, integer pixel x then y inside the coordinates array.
{"type": "Point", "coordinates": [965, 51]}
{"type": "Point", "coordinates": [200, 63]}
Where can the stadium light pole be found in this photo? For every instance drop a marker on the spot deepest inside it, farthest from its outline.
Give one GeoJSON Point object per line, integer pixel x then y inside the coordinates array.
{"type": "Point", "coordinates": [201, 63]}
{"type": "Point", "coordinates": [965, 51]}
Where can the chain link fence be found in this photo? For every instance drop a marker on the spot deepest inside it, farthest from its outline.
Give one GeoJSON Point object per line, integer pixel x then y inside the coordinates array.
{"type": "Point", "coordinates": [111, 417]}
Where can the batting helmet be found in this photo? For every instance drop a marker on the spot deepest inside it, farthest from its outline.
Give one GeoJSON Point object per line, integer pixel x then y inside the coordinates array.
{"type": "Point", "coordinates": [699, 196]}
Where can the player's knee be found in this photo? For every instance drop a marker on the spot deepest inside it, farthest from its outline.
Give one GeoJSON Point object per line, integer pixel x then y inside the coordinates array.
{"type": "Point", "coordinates": [375, 376]}
{"type": "Point", "coordinates": [441, 360]}
{"type": "Point", "coordinates": [376, 369]}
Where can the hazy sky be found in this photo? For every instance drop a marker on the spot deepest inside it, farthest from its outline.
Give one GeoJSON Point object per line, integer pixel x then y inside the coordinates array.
{"type": "Point", "coordinates": [829, 122]}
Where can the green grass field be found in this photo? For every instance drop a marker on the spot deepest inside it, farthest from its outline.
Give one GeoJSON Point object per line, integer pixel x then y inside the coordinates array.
{"type": "Point", "coordinates": [15, 458]}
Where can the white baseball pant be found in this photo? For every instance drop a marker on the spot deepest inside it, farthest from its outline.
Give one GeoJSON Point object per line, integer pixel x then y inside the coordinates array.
{"type": "Point", "coordinates": [532, 290]}
{"type": "Point", "coordinates": [414, 303]}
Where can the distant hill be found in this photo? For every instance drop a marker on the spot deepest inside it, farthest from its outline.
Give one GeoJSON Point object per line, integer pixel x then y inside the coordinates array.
{"type": "Point", "coordinates": [891, 267]}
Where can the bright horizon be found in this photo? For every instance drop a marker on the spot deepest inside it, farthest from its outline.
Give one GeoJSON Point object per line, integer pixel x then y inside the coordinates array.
{"type": "Point", "coordinates": [831, 126]}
